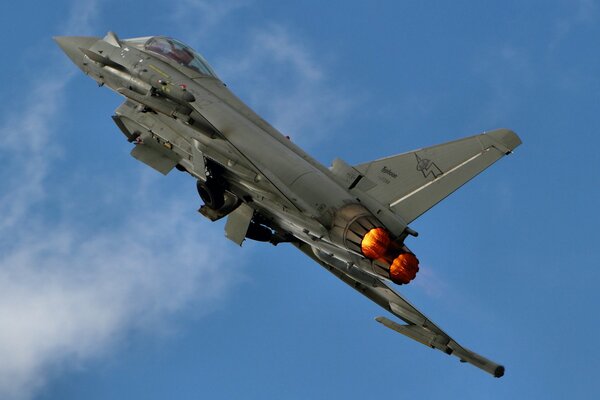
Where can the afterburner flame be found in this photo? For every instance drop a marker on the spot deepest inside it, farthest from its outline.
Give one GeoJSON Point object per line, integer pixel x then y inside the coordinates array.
{"type": "Point", "coordinates": [404, 268]}
{"type": "Point", "coordinates": [375, 243]}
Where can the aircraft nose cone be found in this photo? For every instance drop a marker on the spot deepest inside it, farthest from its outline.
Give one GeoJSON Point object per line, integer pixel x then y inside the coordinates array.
{"type": "Point", "coordinates": [71, 45]}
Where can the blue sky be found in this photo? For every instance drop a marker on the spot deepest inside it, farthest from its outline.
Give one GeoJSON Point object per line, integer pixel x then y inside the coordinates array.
{"type": "Point", "coordinates": [112, 286]}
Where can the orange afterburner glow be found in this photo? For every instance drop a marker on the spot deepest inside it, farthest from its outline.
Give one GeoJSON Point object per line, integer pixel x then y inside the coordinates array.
{"type": "Point", "coordinates": [375, 243]}
{"type": "Point", "coordinates": [404, 268]}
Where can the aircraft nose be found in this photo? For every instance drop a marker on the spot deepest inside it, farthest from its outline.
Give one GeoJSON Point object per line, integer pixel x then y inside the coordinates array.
{"type": "Point", "coordinates": [71, 45]}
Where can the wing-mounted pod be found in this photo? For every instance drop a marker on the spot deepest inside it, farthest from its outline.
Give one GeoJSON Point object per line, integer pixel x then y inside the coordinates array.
{"type": "Point", "coordinates": [359, 231]}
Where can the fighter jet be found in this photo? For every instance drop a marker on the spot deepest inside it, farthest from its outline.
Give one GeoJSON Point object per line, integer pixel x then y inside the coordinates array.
{"type": "Point", "coordinates": [351, 219]}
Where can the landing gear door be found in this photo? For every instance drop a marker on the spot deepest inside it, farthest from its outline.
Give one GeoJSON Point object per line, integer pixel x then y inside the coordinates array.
{"type": "Point", "coordinates": [238, 222]}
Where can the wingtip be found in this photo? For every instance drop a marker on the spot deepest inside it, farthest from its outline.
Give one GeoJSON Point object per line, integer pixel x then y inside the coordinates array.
{"type": "Point", "coordinates": [499, 371]}
{"type": "Point", "coordinates": [506, 137]}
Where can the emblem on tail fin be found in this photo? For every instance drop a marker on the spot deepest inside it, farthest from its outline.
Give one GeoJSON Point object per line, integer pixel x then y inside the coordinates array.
{"type": "Point", "coordinates": [427, 167]}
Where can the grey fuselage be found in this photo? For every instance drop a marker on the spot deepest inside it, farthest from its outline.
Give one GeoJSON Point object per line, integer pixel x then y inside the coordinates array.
{"type": "Point", "coordinates": [290, 188]}
{"type": "Point", "coordinates": [352, 220]}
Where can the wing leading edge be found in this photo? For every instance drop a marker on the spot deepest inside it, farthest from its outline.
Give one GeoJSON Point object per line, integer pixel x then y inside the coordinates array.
{"type": "Point", "coordinates": [417, 327]}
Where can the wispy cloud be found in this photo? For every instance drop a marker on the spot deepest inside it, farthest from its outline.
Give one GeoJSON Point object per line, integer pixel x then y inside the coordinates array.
{"type": "Point", "coordinates": [270, 67]}
{"type": "Point", "coordinates": [68, 295]}
{"type": "Point", "coordinates": [430, 283]}
{"type": "Point", "coordinates": [507, 72]}
{"type": "Point", "coordinates": [512, 70]}
{"type": "Point", "coordinates": [26, 143]}
{"type": "Point", "coordinates": [81, 18]}
{"type": "Point", "coordinates": [197, 18]}
{"type": "Point", "coordinates": [582, 12]}
{"type": "Point", "coordinates": [26, 148]}
{"type": "Point", "coordinates": [71, 292]}
{"type": "Point", "coordinates": [286, 82]}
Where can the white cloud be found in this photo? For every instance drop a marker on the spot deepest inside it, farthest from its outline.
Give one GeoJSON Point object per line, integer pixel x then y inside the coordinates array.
{"type": "Point", "coordinates": [430, 282]}
{"type": "Point", "coordinates": [81, 18]}
{"type": "Point", "coordinates": [507, 72]}
{"type": "Point", "coordinates": [26, 143]}
{"type": "Point", "coordinates": [286, 82]}
{"type": "Point", "coordinates": [26, 148]}
{"type": "Point", "coordinates": [283, 49]}
{"type": "Point", "coordinates": [67, 295]}
{"type": "Point", "coordinates": [71, 292]}
{"type": "Point", "coordinates": [582, 12]}
{"type": "Point", "coordinates": [198, 18]}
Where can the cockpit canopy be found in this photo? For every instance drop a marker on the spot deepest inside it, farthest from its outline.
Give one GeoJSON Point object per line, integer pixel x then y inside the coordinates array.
{"type": "Point", "coordinates": [175, 51]}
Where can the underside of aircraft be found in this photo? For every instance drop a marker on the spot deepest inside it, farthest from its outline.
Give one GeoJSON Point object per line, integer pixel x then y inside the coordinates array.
{"type": "Point", "coordinates": [352, 220]}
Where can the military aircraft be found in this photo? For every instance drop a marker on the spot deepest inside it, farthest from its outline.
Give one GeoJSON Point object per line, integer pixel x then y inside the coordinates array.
{"type": "Point", "coordinates": [352, 220]}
